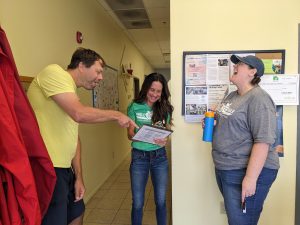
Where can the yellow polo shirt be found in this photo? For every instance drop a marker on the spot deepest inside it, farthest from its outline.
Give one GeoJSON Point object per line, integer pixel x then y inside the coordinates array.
{"type": "Point", "coordinates": [58, 129]}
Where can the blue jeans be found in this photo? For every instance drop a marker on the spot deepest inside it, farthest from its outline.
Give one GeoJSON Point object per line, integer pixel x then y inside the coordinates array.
{"type": "Point", "coordinates": [141, 163]}
{"type": "Point", "coordinates": [230, 185]}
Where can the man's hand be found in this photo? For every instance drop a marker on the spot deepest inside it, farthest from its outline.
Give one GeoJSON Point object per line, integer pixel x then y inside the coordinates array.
{"type": "Point", "coordinates": [79, 189]}
{"type": "Point", "coordinates": [125, 121]}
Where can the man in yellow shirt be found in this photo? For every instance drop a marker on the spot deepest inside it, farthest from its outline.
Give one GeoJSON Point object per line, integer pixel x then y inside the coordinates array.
{"type": "Point", "coordinates": [53, 97]}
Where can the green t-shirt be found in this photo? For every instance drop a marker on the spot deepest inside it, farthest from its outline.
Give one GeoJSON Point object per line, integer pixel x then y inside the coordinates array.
{"type": "Point", "coordinates": [141, 114]}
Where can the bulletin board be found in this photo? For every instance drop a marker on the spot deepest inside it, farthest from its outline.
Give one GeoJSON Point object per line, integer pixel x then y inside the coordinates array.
{"type": "Point", "coordinates": [106, 94]}
{"type": "Point", "coordinates": [207, 72]}
{"type": "Point", "coordinates": [206, 82]}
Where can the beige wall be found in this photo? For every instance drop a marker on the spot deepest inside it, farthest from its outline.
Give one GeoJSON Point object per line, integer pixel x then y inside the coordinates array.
{"type": "Point", "coordinates": [228, 25]}
{"type": "Point", "coordinates": [43, 32]}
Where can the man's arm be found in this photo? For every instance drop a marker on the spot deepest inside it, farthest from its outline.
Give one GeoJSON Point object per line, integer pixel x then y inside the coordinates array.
{"type": "Point", "coordinates": [70, 103]}
{"type": "Point", "coordinates": [76, 166]}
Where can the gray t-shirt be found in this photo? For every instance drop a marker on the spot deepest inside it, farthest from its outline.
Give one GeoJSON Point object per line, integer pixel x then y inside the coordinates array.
{"type": "Point", "coordinates": [241, 122]}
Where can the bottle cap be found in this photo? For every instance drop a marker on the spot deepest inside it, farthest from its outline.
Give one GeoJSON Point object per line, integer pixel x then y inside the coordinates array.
{"type": "Point", "coordinates": [209, 114]}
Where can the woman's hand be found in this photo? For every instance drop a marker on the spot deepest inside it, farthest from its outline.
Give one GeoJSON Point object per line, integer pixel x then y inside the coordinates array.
{"type": "Point", "coordinates": [161, 141]}
{"type": "Point", "coordinates": [203, 123]}
{"type": "Point", "coordinates": [257, 160]}
{"type": "Point", "coordinates": [248, 187]}
{"type": "Point", "coordinates": [130, 132]}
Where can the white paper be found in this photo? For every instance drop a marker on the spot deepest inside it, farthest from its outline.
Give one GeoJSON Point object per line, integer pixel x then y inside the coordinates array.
{"type": "Point", "coordinates": [216, 94]}
{"type": "Point", "coordinates": [195, 103]}
{"type": "Point", "coordinates": [283, 88]}
{"type": "Point", "coordinates": [217, 69]}
{"type": "Point", "coordinates": [148, 133]}
{"type": "Point", "coordinates": [195, 70]}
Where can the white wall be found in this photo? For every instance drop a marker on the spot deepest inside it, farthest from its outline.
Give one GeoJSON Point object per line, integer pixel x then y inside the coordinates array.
{"type": "Point", "coordinates": [228, 25]}
{"type": "Point", "coordinates": [44, 32]}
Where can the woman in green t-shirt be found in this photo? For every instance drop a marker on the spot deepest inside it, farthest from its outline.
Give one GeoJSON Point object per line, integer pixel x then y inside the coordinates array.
{"type": "Point", "coordinates": [151, 107]}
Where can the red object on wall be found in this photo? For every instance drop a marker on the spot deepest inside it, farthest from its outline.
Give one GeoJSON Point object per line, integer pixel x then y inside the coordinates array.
{"type": "Point", "coordinates": [79, 37]}
{"type": "Point", "coordinates": [26, 171]}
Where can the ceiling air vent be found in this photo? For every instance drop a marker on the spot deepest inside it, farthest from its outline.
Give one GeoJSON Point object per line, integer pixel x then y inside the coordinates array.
{"type": "Point", "coordinates": [125, 4]}
{"type": "Point", "coordinates": [131, 13]}
{"type": "Point", "coordinates": [167, 57]}
{"type": "Point", "coordinates": [141, 24]}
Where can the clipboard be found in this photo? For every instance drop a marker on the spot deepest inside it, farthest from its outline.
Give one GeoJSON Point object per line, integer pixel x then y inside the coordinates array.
{"type": "Point", "coordinates": [147, 133]}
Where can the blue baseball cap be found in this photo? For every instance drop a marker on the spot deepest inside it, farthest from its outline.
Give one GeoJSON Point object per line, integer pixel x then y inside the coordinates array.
{"type": "Point", "coordinates": [251, 61]}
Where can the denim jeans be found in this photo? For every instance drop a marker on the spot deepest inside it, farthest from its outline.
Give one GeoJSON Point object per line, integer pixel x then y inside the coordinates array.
{"type": "Point", "coordinates": [230, 185]}
{"type": "Point", "coordinates": [141, 163]}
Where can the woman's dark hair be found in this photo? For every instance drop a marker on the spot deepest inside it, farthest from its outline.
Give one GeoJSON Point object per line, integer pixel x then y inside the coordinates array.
{"type": "Point", "coordinates": [87, 56]}
{"type": "Point", "coordinates": [161, 108]}
{"type": "Point", "coordinates": [256, 79]}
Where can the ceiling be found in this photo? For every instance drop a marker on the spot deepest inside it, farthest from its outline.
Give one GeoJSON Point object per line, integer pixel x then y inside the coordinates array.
{"type": "Point", "coordinates": [147, 24]}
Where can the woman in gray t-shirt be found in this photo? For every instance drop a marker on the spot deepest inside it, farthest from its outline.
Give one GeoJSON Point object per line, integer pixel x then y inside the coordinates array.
{"type": "Point", "coordinates": [246, 164]}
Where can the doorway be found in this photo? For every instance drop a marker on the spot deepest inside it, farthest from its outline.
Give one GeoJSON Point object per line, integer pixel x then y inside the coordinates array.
{"type": "Point", "coordinates": [136, 87]}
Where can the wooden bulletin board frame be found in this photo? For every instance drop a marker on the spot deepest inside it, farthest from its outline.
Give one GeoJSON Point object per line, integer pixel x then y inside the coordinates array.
{"type": "Point", "coordinates": [25, 82]}
{"type": "Point", "coordinates": [262, 54]}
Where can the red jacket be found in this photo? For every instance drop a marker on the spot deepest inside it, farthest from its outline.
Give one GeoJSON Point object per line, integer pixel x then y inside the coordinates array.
{"type": "Point", "coordinates": [26, 166]}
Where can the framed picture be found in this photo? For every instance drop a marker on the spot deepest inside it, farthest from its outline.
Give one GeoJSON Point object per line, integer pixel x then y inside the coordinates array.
{"type": "Point", "coordinates": [212, 69]}
{"type": "Point", "coordinates": [106, 94]}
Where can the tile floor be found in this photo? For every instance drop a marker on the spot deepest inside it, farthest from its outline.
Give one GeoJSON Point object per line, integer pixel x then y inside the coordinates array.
{"type": "Point", "coordinates": [111, 205]}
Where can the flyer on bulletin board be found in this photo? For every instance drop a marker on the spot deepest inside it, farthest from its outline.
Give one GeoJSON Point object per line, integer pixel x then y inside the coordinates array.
{"type": "Point", "coordinates": [283, 88]}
